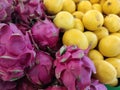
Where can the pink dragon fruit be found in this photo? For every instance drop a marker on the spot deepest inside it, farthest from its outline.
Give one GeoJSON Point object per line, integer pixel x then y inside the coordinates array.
{"type": "Point", "coordinates": [6, 9]}
{"type": "Point", "coordinates": [73, 68]}
{"type": "Point", "coordinates": [45, 34]}
{"type": "Point", "coordinates": [29, 10]}
{"type": "Point", "coordinates": [56, 87]}
{"type": "Point", "coordinates": [41, 73]}
{"type": "Point", "coordinates": [7, 85]}
{"type": "Point", "coordinates": [23, 27]}
{"type": "Point", "coordinates": [16, 52]}
{"type": "Point", "coordinates": [24, 84]}
{"type": "Point", "coordinates": [96, 85]}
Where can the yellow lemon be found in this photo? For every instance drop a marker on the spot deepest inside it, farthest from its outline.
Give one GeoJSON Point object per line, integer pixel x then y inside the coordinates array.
{"type": "Point", "coordinates": [101, 32]}
{"type": "Point", "coordinates": [78, 24]}
{"type": "Point", "coordinates": [64, 20]}
{"type": "Point", "coordinates": [94, 1]}
{"type": "Point", "coordinates": [111, 6]}
{"type": "Point", "coordinates": [112, 22]}
{"type": "Point", "coordinates": [116, 63]}
{"type": "Point", "coordinates": [78, 14]}
{"type": "Point", "coordinates": [53, 6]}
{"type": "Point", "coordinates": [84, 6]}
{"type": "Point", "coordinates": [118, 56]}
{"type": "Point", "coordinates": [69, 5]}
{"type": "Point", "coordinates": [114, 82]}
{"type": "Point", "coordinates": [105, 72]}
{"type": "Point", "coordinates": [97, 7]}
{"type": "Point", "coordinates": [75, 37]}
{"type": "Point", "coordinates": [92, 20]}
{"type": "Point", "coordinates": [116, 34]}
{"type": "Point", "coordinates": [95, 55]}
{"type": "Point", "coordinates": [102, 2]}
{"type": "Point", "coordinates": [76, 1]}
{"type": "Point", "coordinates": [109, 46]}
{"type": "Point", "coordinates": [92, 39]}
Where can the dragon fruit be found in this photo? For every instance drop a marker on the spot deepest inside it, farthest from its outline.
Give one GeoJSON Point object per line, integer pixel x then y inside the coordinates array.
{"type": "Point", "coordinates": [42, 72]}
{"type": "Point", "coordinates": [45, 34]}
{"type": "Point", "coordinates": [5, 85]}
{"type": "Point", "coordinates": [73, 68]}
{"type": "Point", "coordinates": [6, 9]}
{"type": "Point", "coordinates": [16, 52]}
{"type": "Point", "coordinates": [96, 85]}
{"type": "Point", "coordinates": [24, 84]}
{"type": "Point", "coordinates": [23, 27]}
{"type": "Point", "coordinates": [56, 87]}
{"type": "Point", "coordinates": [29, 10]}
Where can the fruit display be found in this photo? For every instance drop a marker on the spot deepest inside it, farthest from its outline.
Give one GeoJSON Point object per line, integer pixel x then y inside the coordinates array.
{"type": "Point", "coordinates": [59, 44]}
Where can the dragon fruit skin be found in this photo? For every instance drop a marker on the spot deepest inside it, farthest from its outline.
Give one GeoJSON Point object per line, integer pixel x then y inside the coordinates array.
{"type": "Point", "coordinates": [96, 85]}
{"type": "Point", "coordinates": [73, 68]}
{"type": "Point", "coordinates": [16, 52]}
{"type": "Point", "coordinates": [6, 9]}
{"type": "Point", "coordinates": [7, 85]}
{"type": "Point", "coordinates": [56, 87]}
{"type": "Point", "coordinates": [23, 27]}
{"type": "Point", "coordinates": [28, 10]}
{"type": "Point", "coordinates": [25, 84]}
{"type": "Point", "coordinates": [41, 73]}
{"type": "Point", "coordinates": [45, 34]}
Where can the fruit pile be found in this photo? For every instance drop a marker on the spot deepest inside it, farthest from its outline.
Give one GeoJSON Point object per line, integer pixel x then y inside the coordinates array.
{"type": "Point", "coordinates": [59, 44]}
{"type": "Point", "coordinates": [94, 24]}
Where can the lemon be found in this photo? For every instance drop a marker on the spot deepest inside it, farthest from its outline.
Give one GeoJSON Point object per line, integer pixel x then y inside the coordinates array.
{"type": "Point", "coordinates": [78, 14]}
{"type": "Point", "coordinates": [76, 1]}
{"type": "Point", "coordinates": [116, 34]}
{"type": "Point", "coordinates": [97, 7]}
{"type": "Point", "coordinates": [78, 24]}
{"type": "Point", "coordinates": [95, 55]}
{"type": "Point", "coordinates": [109, 46]}
{"type": "Point", "coordinates": [84, 6]}
{"type": "Point", "coordinates": [69, 5]}
{"type": "Point", "coordinates": [116, 63]}
{"type": "Point", "coordinates": [101, 32]}
{"type": "Point", "coordinates": [53, 6]}
{"type": "Point", "coordinates": [92, 39]}
{"type": "Point", "coordinates": [111, 6]}
{"type": "Point", "coordinates": [64, 20]}
{"type": "Point", "coordinates": [94, 1]}
{"type": "Point", "coordinates": [75, 37]}
{"type": "Point", "coordinates": [114, 82]}
{"type": "Point", "coordinates": [112, 22]}
{"type": "Point", "coordinates": [102, 2]}
{"type": "Point", "coordinates": [105, 72]}
{"type": "Point", "coordinates": [92, 20]}
{"type": "Point", "coordinates": [118, 56]}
